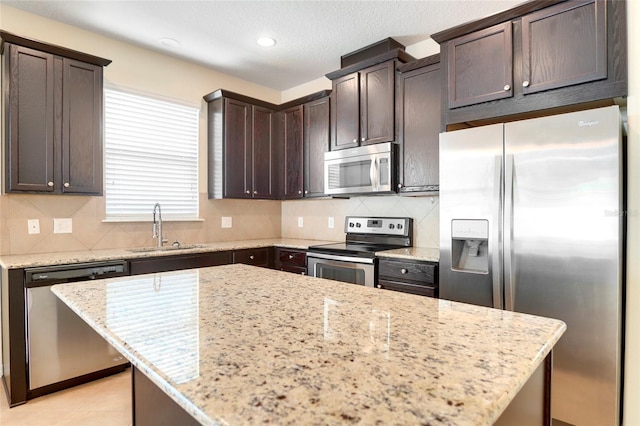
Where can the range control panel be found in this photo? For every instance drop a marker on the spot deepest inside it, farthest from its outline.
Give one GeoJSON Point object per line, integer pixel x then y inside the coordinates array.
{"type": "Point", "coordinates": [400, 226]}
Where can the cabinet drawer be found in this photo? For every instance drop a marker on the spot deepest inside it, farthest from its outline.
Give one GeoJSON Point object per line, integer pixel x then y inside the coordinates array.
{"type": "Point", "coordinates": [292, 257]}
{"type": "Point", "coordinates": [302, 270]}
{"type": "Point", "coordinates": [408, 271]}
{"type": "Point", "coordinates": [257, 257]}
{"type": "Point", "coordinates": [174, 263]}
{"type": "Point", "coordinates": [421, 290]}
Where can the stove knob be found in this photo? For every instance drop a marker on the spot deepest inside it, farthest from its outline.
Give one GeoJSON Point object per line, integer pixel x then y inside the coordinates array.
{"type": "Point", "coordinates": [358, 225]}
{"type": "Point", "coordinates": [351, 225]}
{"type": "Point", "coordinates": [391, 226]}
{"type": "Point", "coordinates": [399, 226]}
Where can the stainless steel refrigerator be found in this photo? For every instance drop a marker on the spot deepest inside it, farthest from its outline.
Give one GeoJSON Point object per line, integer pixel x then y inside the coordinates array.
{"type": "Point", "coordinates": [531, 220]}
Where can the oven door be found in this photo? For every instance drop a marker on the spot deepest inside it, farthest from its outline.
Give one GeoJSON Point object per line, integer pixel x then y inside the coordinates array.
{"type": "Point", "coordinates": [355, 270]}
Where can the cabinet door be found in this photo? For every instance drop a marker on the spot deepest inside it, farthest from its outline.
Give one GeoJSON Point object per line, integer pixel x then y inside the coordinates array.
{"type": "Point", "coordinates": [81, 129]}
{"type": "Point", "coordinates": [30, 146]}
{"type": "Point", "coordinates": [377, 103]}
{"type": "Point", "coordinates": [293, 152]}
{"type": "Point", "coordinates": [564, 45]}
{"type": "Point", "coordinates": [419, 94]}
{"type": "Point", "coordinates": [263, 154]}
{"type": "Point", "coordinates": [237, 149]}
{"type": "Point", "coordinates": [316, 143]}
{"type": "Point", "coordinates": [480, 66]}
{"type": "Point", "coordinates": [345, 112]}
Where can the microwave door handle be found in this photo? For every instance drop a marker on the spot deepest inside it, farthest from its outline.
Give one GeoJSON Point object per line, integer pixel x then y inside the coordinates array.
{"type": "Point", "coordinates": [372, 172]}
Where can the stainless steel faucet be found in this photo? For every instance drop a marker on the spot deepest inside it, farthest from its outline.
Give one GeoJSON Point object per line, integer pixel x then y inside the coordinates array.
{"type": "Point", "coordinates": [157, 225]}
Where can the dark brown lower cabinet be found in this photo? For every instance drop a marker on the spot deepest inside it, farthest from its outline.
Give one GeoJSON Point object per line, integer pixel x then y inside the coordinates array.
{"type": "Point", "coordinates": [408, 276]}
{"type": "Point", "coordinates": [256, 256]}
{"type": "Point", "coordinates": [291, 260]}
{"type": "Point", "coordinates": [177, 262]}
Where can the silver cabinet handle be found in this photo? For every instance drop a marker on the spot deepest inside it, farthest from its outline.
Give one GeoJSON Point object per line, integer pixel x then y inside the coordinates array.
{"type": "Point", "coordinates": [290, 256]}
{"type": "Point", "coordinates": [255, 192]}
{"type": "Point", "coordinates": [507, 87]}
{"type": "Point", "coordinates": [306, 192]}
{"type": "Point", "coordinates": [299, 192]}
{"type": "Point", "coordinates": [49, 183]}
{"type": "Point", "coordinates": [248, 192]}
{"type": "Point", "coordinates": [252, 257]}
{"type": "Point", "coordinates": [399, 185]}
{"type": "Point", "coordinates": [525, 83]}
{"type": "Point", "coordinates": [379, 286]}
{"type": "Point", "coordinates": [403, 271]}
{"type": "Point", "coordinates": [66, 184]}
{"type": "Point", "coordinates": [363, 139]}
{"type": "Point", "coordinates": [355, 141]}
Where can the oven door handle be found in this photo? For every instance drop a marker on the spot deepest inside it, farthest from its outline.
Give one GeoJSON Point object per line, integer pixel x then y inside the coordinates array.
{"type": "Point", "coordinates": [339, 258]}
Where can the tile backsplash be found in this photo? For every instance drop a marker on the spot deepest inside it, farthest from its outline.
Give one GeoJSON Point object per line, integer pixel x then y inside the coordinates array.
{"type": "Point", "coordinates": [250, 220]}
{"type": "Point", "coordinates": [425, 212]}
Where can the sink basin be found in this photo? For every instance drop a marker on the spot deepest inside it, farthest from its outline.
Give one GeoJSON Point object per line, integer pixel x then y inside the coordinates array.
{"type": "Point", "coordinates": [165, 248]}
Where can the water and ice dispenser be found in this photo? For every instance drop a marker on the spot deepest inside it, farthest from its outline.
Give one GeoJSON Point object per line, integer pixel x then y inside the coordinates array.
{"type": "Point", "coordinates": [470, 245]}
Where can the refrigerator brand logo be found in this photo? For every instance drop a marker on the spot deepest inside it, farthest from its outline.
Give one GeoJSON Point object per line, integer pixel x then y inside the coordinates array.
{"type": "Point", "coordinates": [582, 123]}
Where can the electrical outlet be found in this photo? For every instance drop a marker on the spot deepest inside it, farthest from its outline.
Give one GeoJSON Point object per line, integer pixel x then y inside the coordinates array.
{"type": "Point", "coordinates": [331, 223]}
{"type": "Point", "coordinates": [300, 222]}
{"type": "Point", "coordinates": [33, 225]}
{"type": "Point", "coordinates": [62, 226]}
{"type": "Point", "coordinates": [227, 222]}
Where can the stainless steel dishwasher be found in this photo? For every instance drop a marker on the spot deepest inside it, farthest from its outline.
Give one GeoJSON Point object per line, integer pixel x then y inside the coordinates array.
{"type": "Point", "coordinates": [60, 345]}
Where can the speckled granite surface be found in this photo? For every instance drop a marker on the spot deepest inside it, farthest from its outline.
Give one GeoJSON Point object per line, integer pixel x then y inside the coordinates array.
{"type": "Point", "coordinates": [412, 253]}
{"type": "Point", "coordinates": [62, 258]}
{"type": "Point", "coordinates": [242, 345]}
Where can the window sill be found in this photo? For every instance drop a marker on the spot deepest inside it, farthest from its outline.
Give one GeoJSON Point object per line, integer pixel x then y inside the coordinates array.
{"type": "Point", "coordinates": [149, 220]}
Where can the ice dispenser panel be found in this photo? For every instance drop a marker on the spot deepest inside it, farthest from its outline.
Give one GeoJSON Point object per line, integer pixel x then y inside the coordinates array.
{"type": "Point", "coordinates": [469, 245]}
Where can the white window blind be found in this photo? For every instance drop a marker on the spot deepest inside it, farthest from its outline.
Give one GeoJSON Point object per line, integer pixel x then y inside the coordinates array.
{"type": "Point", "coordinates": [151, 156]}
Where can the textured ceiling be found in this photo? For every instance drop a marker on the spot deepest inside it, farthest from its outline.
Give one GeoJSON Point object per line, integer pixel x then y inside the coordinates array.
{"type": "Point", "coordinates": [311, 35]}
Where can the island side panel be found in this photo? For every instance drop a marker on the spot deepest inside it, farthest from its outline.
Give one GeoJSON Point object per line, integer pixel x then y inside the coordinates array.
{"type": "Point", "coordinates": [151, 406]}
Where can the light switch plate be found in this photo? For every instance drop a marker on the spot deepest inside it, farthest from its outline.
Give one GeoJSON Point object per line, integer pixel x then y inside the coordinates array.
{"type": "Point", "coordinates": [300, 222]}
{"type": "Point", "coordinates": [62, 226]}
{"type": "Point", "coordinates": [331, 223]}
{"type": "Point", "coordinates": [227, 222]}
{"type": "Point", "coordinates": [33, 225]}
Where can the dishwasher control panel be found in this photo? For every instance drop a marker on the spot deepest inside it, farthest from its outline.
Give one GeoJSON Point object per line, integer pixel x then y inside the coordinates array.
{"type": "Point", "coordinates": [76, 272]}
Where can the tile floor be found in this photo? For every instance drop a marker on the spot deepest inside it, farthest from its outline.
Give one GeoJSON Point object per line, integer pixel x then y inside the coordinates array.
{"type": "Point", "coordinates": [104, 402]}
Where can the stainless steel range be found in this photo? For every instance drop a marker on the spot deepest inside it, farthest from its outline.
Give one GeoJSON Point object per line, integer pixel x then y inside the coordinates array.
{"type": "Point", "coordinates": [354, 261]}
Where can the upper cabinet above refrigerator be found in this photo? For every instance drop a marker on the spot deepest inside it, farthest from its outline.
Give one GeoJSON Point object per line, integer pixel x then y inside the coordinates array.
{"type": "Point", "coordinates": [536, 56]}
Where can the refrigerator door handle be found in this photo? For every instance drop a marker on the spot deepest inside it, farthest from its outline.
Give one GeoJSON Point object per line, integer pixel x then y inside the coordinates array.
{"type": "Point", "coordinates": [496, 243]}
{"type": "Point", "coordinates": [509, 264]}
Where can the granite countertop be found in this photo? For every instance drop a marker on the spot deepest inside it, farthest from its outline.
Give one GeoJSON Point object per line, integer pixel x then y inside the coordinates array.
{"type": "Point", "coordinates": [62, 258]}
{"type": "Point", "coordinates": [237, 344]}
{"type": "Point", "coordinates": [412, 253]}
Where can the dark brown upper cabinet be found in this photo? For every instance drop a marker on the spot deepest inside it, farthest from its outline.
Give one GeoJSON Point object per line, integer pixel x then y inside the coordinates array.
{"type": "Point", "coordinates": [293, 157]}
{"type": "Point", "coordinates": [316, 143]}
{"type": "Point", "coordinates": [540, 55]}
{"type": "Point", "coordinates": [242, 159]}
{"type": "Point", "coordinates": [419, 122]}
{"type": "Point", "coordinates": [363, 101]}
{"type": "Point", "coordinates": [53, 118]}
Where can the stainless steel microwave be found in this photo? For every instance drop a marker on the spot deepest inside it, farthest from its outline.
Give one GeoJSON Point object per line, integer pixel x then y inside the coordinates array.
{"type": "Point", "coordinates": [368, 169]}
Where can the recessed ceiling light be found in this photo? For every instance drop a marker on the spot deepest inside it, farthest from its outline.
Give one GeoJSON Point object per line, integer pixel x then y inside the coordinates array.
{"type": "Point", "coordinates": [169, 42]}
{"type": "Point", "coordinates": [266, 41]}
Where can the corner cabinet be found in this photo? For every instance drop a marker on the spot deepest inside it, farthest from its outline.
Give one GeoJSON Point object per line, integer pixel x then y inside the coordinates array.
{"type": "Point", "coordinates": [303, 134]}
{"type": "Point", "coordinates": [539, 55]}
{"type": "Point", "coordinates": [54, 113]}
{"type": "Point", "coordinates": [363, 101]}
{"type": "Point", "coordinates": [242, 159]}
{"type": "Point", "coordinates": [418, 92]}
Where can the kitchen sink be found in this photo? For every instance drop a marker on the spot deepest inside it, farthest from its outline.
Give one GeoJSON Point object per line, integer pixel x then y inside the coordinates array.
{"type": "Point", "coordinates": [165, 248]}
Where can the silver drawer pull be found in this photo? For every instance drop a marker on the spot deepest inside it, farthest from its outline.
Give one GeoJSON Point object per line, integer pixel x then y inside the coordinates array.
{"type": "Point", "coordinates": [379, 286]}
{"type": "Point", "coordinates": [403, 271]}
{"type": "Point", "coordinates": [290, 256]}
{"type": "Point", "coordinates": [252, 257]}
{"type": "Point", "coordinates": [49, 183]}
{"type": "Point", "coordinates": [507, 87]}
{"type": "Point", "coordinates": [525, 83]}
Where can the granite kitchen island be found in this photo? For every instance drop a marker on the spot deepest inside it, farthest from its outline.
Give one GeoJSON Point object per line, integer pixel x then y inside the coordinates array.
{"type": "Point", "coordinates": [238, 344]}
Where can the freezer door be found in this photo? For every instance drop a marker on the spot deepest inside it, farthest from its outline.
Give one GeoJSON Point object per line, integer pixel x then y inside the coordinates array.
{"type": "Point", "coordinates": [562, 251]}
{"type": "Point", "coordinates": [471, 165]}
